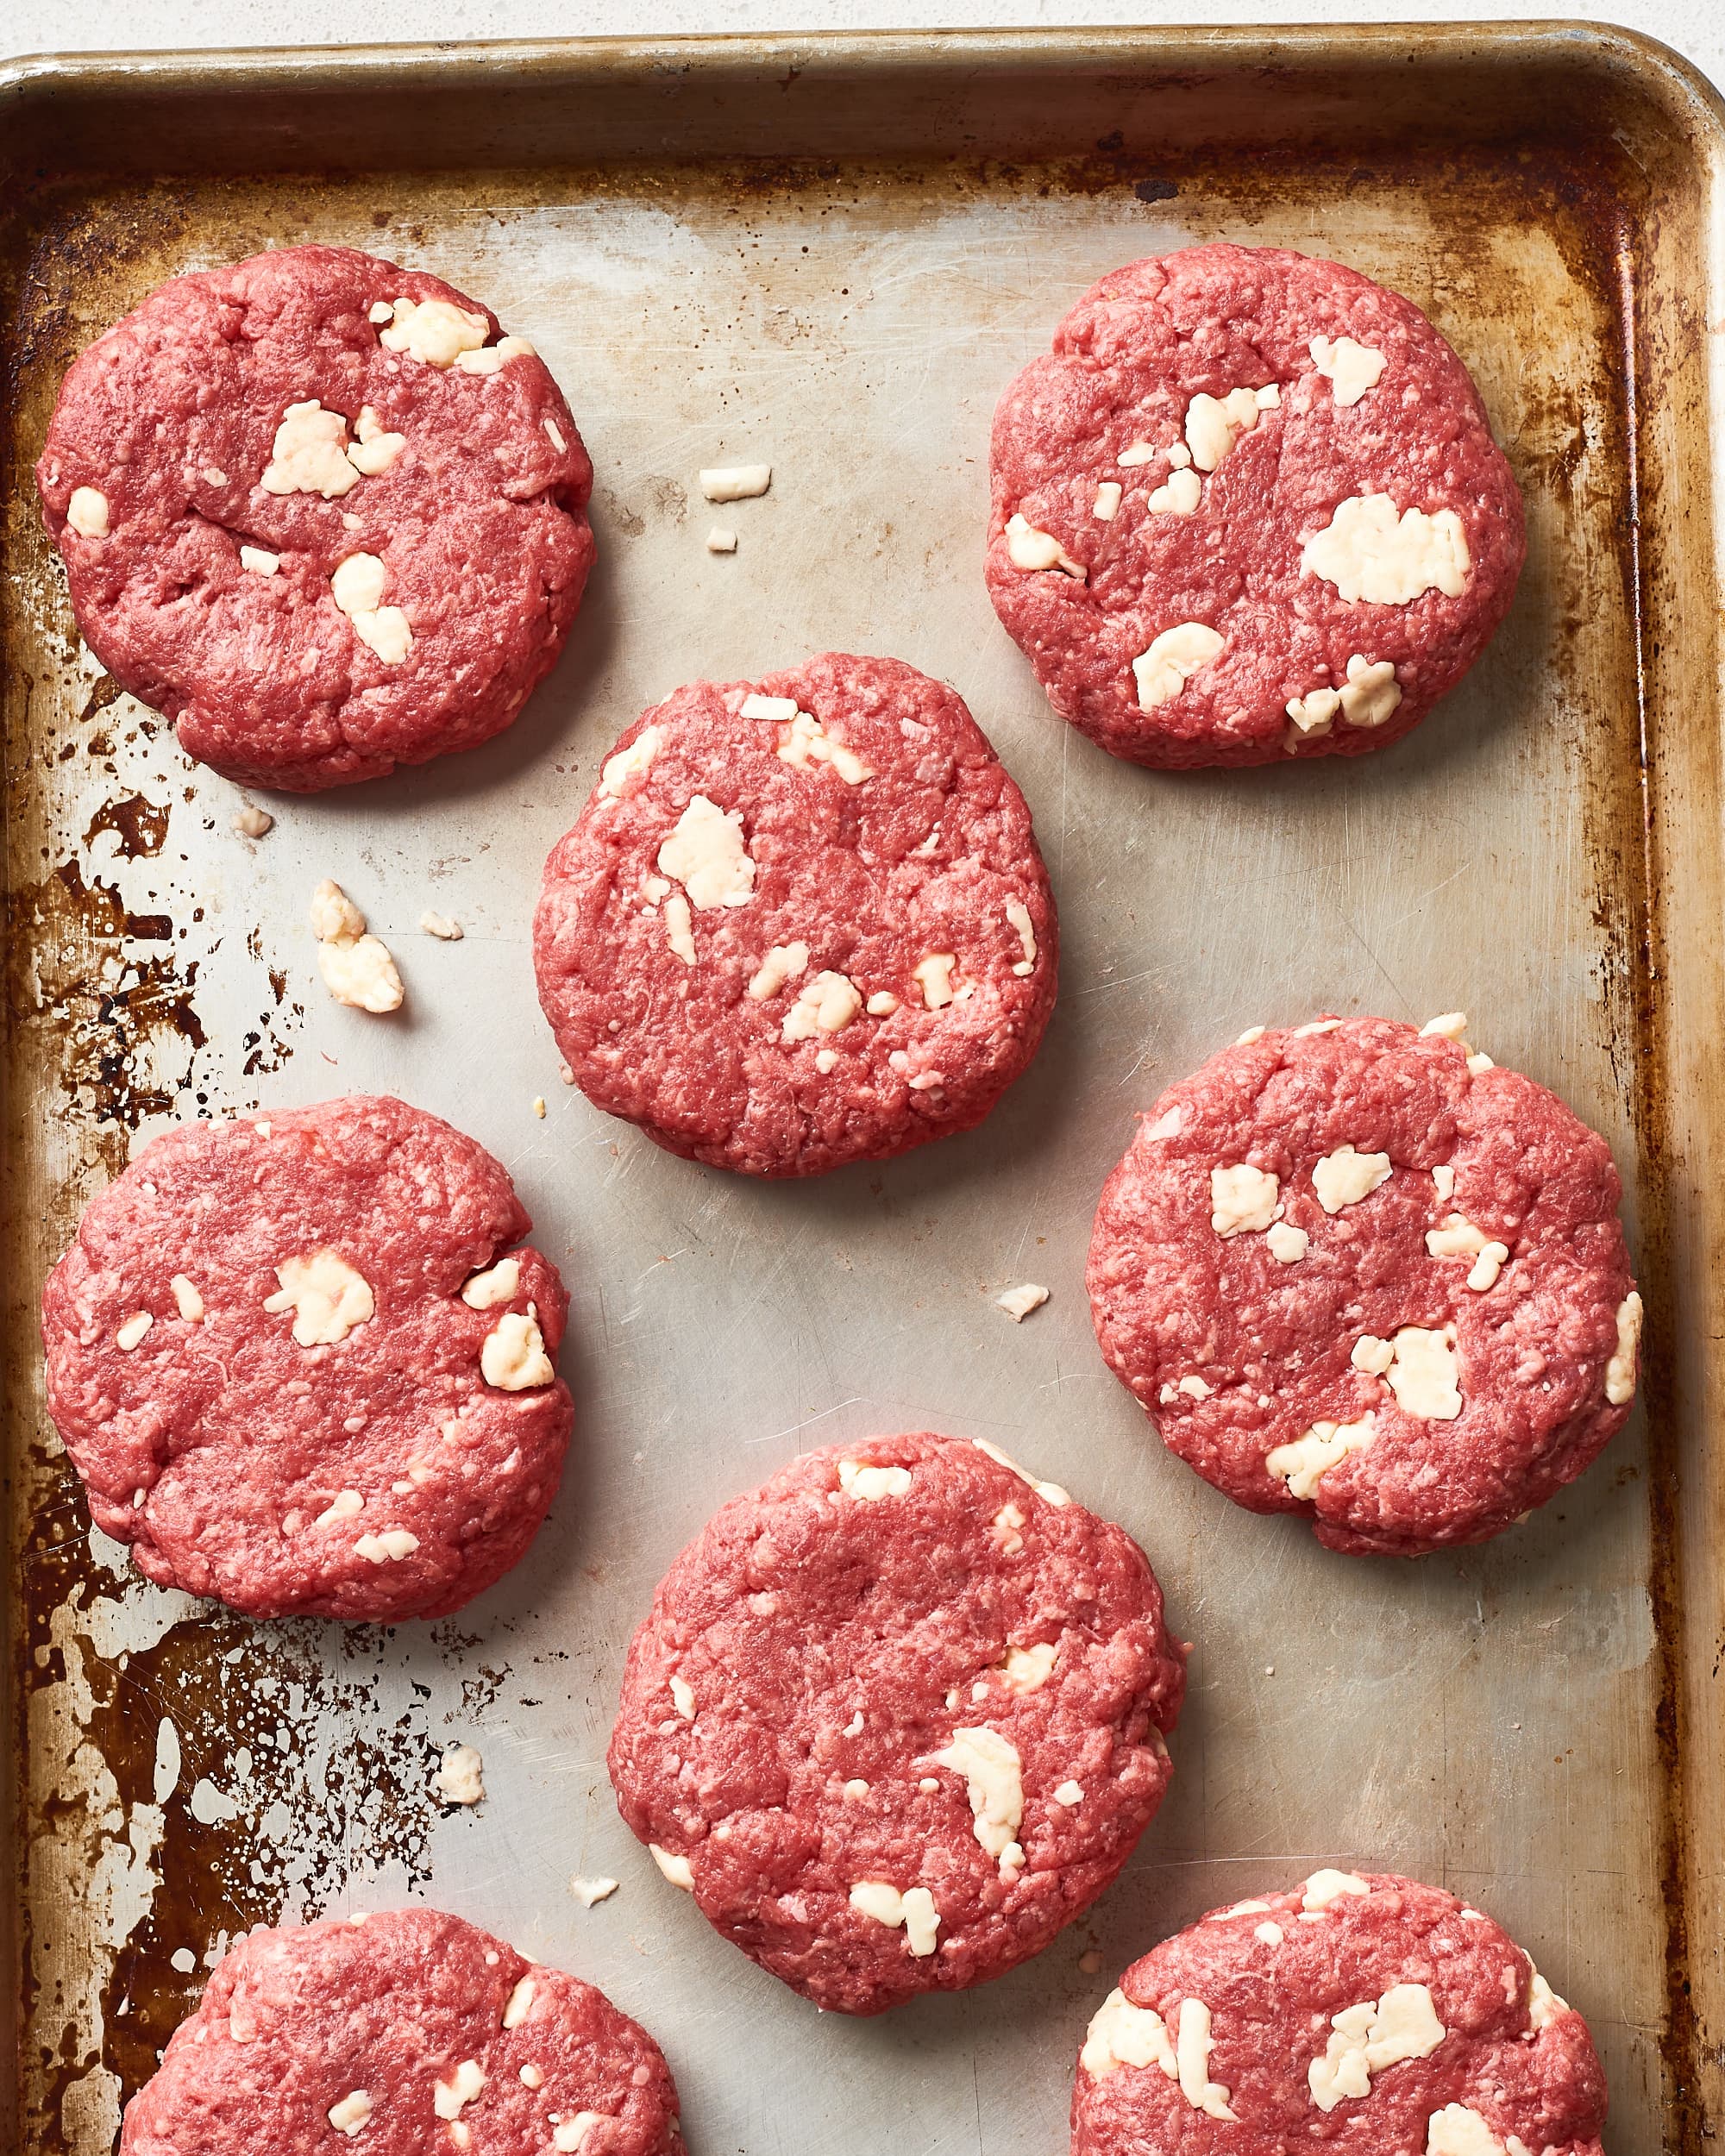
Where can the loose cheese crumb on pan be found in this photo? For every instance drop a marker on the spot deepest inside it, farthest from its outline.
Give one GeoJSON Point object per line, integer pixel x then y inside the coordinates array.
{"type": "Point", "coordinates": [736, 482]}
{"type": "Point", "coordinates": [1019, 1302]}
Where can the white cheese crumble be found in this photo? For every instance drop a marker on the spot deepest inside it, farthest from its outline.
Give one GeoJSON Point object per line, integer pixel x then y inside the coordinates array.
{"type": "Point", "coordinates": [914, 1909]}
{"type": "Point", "coordinates": [356, 587]}
{"type": "Point", "coordinates": [1178, 495]}
{"type": "Point", "coordinates": [1458, 2130]}
{"type": "Point", "coordinates": [1369, 553]}
{"type": "Point", "coordinates": [1315, 712]}
{"type": "Point", "coordinates": [1026, 1670]}
{"type": "Point", "coordinates": [488, 359]}
{"type": "Point", "coordinates": [1425, 1375]}
{"type": "Point", "coordinates": [327, 1297]}
{"type": "Point", "coordinates": [1106, 502]}
{"type": "Point", "coordinates": [870, 1484]}
{"type": "Point", "coordinates": [1620, 1371]}
{"type": "Point", "coordinates": [1371, 1354]}
{"type": "Point", "coordinates": [1192, 2047]}
{"type": "Point", "coordinates": [1017, 916]}
{"type": "Point", "coordinates": [1326, 1886]}
{"type": "Point", "coordinates": [933, 975]}
{"type": "Point", "coordinates": [357, 969]}
{"type": "Point", "coordinates": [260, 561]}
{"type": "Point", "coordinates": [1304, 1464]}
{"type": "Point", "coordinates": [1353, 368]}
{"type": "Point", "coordinates": [460, 1779]}
{"type": "Point", "coordinates": [498, 1283]}
{"type": "Point", "coordinates": [589, 1892]}
{"type": "Point", "coordinates": [677, 1869]}
{"type": "Point", "coordinates": [1019, 1302]}
{"type": "Point", "coordinates": [450, 2097]}
{"type": "Point", "coordinates": [882, 1003]}
{"type": "Point", "coordinates": [1070, 1793]}
{"type": "Point", "coordinates": [680, 929]}
{"type": "Point", "coordinates": [1173, 658]}
{"type": "Point", "coordinates": [133, 1331]}
{"type": "Point", "coordinates": [1451, 1025]}
{"type": "Point", "coordinates": [335, 917]}
{"type": "Point", "coordinates": [519, 2003]}
{"type": "Point", "coordinates": [1139, 452]}
{"type": "Point", "coordinates": [993, 1780]}
{"type": "Point", "coordinates": [1543, 2005]}
{"type": "Point", "coordinates": [1050, 1492]}
{"type": "Point", "coordinates": [1287, 1244]}
{"type": "Point", "coordinates": [1343, 1177]}
{"type": "Point", "coordinates": [1029, 549]}
{"type": "Point", "coordinates": [720, 540]}
{"type": "Point", "coordinates": [435, 332]}
{"type": "Point", "coordinates": [388, 1548]}
{"type": "Point", "coordinates": [826, 1004]}
{"type": "Point", "coordinates": [705, 853]}
{"type": "Point", "coordinates": [1170, 1124]}
{"type": "Point", "coordinates": [683, 1697]}
{"type": "Point", "coordinates": [1214, 424]}
{"type": "Point", "coordinates": [569, 2133]}
{"type": "Point", "coordinates": [309, 454]}
{"type": "Point", "coordinates": [87, 512]}
{"type": "Point", "coordinates": [351, 2113]}
{"type": "Point", "coordinates": [808, 742]}
{"type": "Point", "coordinates": [780, 710]}
{"type": "Point", "coordinates": [783, 962]}
{"type": "Point", "coordinates": [1122, 2034]}
{"type": "Point", "coordinates": [441, 926]}
{"type": "Point", "coordinates": [346, 1504]}
{"type": "Point", "coordinates": [374, 448]}
{"type": "Point", "coordinates": [1243, 1199]}
{"type": "Point", "coordinates": [187, 1300]}
{"type": "Point", "coordinates": [1370, 693]}
{"type": "Point", "coordinates": [252, 822]}
{"type": "Point", "coordinates": [628, 763]}
{"type": "Point", "coordinates": [1367, 2038]}
{"type": "Point", "coordinates": [513, 1357]}
{"type": "Point", "coordinates": [736, 482]}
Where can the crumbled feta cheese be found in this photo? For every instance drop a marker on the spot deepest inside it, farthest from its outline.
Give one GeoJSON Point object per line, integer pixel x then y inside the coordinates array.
{"type": "Point", "coordinates": [1019, 1302]}
{"type": "Point", "coordinates": [736, 482]}
{"type": "Point", "coordinates": [460, 1779]}
{"type": "Point", "coordinates": [327, 1296]}
{"type": "Point", "coordinates": [1173, 658]}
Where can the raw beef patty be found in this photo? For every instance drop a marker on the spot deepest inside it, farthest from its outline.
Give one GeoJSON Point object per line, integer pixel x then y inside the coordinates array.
{"type": "Point", "coordinates": [304, 1366]}
{"type": "Point", "coordinates": [1352, 1270]}
{"type": "Point", "coordinates": [802, 921]}
{"type": "Point", "coordinates": [399, 2035]}
{"type": "Point", "coordinates": [1367, 2013]}
{"type": "Point", "coordinates": [1248, 507]}
{"type": "Point", "coordinates": [317, 510]}
{"type": "Point", "coordinates": [897, 1717]}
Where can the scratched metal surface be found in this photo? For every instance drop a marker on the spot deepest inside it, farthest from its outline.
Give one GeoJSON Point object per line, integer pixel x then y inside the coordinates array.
{"type": "Point", "coordinates": [1485, 1720]}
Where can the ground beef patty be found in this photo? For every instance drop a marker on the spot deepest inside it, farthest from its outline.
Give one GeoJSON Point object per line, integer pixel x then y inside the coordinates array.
{"type": "Point", "coordinates": [303, 1365]}
{"type": "Point", "coordinates": [398, 2034]}
{"type": "Point", "coordinates": [802, 921]}
{"type": "Point", "coordinates": [897, 1717]}
{"type": "Point", "coordinates": [1353, 1270]}
{"type": "Point", "coordinates": [313, 510]}
{"type": "Point", "coordinates": [1369, 2013]}
{"type": "Point", "coordinates": [1248, 507]}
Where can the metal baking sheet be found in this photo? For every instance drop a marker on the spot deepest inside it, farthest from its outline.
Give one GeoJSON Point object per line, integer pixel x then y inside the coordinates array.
{"type": "Point", "coordinates": [833, 255]}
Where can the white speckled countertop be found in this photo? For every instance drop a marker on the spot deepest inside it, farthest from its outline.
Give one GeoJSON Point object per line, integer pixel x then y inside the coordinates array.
{"type": "Point", "coordinates": [1696, 28]}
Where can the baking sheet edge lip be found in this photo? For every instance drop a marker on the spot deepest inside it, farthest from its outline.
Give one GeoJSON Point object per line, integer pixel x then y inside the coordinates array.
{"type": "Point", "coordinates": [312, 66]}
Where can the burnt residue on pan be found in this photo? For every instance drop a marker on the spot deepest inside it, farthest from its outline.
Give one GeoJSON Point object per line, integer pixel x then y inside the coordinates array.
{"type": "Point", "coordinates": [299, 1757]}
